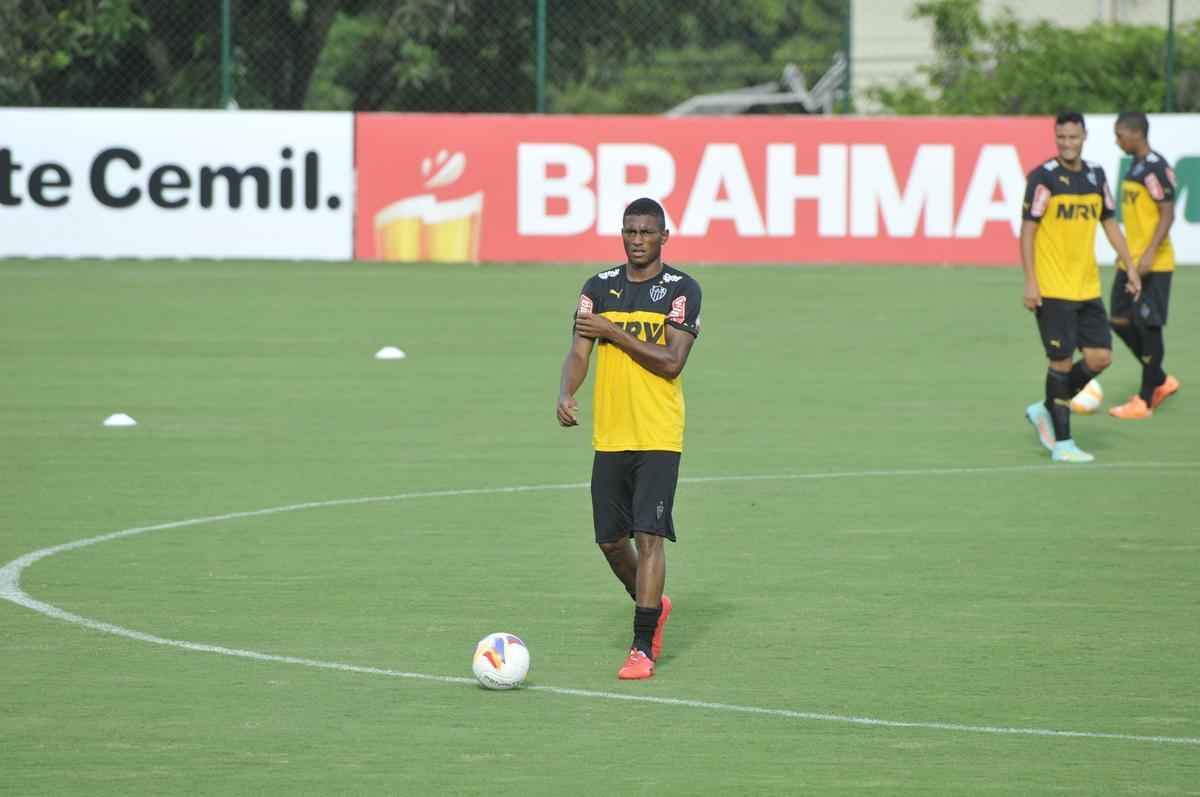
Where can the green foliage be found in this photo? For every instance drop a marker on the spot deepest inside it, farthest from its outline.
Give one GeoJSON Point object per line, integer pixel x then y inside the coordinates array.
{"type": "Point", "coordinates": [70, 44]}
{"type": "Point", "coordinates": [1005, 66]}
{"type": "Point", "coordinates": [431, 55]}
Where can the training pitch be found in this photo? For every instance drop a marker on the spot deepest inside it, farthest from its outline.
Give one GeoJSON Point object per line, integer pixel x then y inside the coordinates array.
{"type": "Point", "coordinates": [274, 582]}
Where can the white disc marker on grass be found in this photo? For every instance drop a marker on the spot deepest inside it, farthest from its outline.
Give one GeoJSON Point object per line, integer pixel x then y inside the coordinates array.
{"type": "Point", "coordinates": [390, 353]}
{"type": "Point", "coordinates": [120, 419]}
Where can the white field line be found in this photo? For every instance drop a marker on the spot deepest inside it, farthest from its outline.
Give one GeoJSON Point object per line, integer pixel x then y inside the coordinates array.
{"type": "Point", "coordinates": [10, 590]}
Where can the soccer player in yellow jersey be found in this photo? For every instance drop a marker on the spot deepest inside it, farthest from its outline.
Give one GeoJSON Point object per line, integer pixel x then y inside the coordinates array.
{"type": "Point", "coordinates": [643, 318]}
{"type": "Point", "coordinates": [1065, 199]}
{"type": "Point", "coordinates": [1148, 206]}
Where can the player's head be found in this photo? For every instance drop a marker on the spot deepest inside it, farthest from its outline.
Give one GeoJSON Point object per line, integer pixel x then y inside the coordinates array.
{"type": "Point", "coordinates": [1069, 134]}
{"type": "Point", "coordinates": [1132, 129]}
{"type": "Point", "coordinates": [643, 231]}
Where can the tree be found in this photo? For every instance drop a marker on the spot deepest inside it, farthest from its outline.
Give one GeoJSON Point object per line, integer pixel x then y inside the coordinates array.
{"type": "Point", "coordinates": [51, 48]}
{"type": "Point", "coordinates": [1005, 66]}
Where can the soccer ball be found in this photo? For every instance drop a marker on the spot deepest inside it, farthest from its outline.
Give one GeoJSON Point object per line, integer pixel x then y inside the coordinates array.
{"type": "Point", "coordinates": [1088, 400]}
{"type": "Point", "coordinates": [501, 661]}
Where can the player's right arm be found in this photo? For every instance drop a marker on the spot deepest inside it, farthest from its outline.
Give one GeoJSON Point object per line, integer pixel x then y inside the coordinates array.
{"type": "Point", "coordinates": [574, 371]}
{"type": "Point", "coordinates": [1037, 199]}
{"type": "Point", "coordinates": [1033, 294]}
{"type": "Point", "coordinates": [575, 364]}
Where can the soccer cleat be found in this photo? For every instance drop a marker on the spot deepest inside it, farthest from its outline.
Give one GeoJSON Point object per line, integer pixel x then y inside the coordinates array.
{"type": "Point", "coordinates": [637, 667]}
{"type": "Point", "coordinates": [1131, 410]}
{"type": "Point", "coordinates": [1161, 392]}
{"type": "Point", "coordinates": [1067, 451]}
{"type": "Point", "coordinates": [656, 642]}
{"type": "Point", "coordinates": [1037, 414]}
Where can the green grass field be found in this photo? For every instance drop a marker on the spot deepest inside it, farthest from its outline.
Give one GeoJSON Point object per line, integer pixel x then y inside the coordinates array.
{"type": "Point", "coordinates": [868, 529]}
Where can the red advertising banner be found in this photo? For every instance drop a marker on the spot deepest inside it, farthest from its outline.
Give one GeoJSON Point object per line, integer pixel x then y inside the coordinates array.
{"type": "Point", "coordinates": [435, 187]}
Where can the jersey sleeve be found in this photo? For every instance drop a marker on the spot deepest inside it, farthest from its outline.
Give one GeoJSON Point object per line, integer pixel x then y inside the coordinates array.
{"type": "Point", "coordinates": [588, 300]}
{"type": "Point", "coordinates": [1108, 206]}
{"type": "Point", "coordinates": [685, 308]}
{"type": "Point", "coordinates": [1037, 196]}
{"type": "Point", "coordinates": [1160, 181]}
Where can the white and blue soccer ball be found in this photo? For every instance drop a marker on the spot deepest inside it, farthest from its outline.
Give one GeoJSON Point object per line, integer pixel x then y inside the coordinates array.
{"type": "Point", "coordinates": [1089, 399]}
{"type": "Point", "coordinates": [501, 661]}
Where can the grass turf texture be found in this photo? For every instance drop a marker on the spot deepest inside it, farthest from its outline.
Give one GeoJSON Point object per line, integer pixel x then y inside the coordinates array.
{"type": "Point", "coordinates": [1058, 598]}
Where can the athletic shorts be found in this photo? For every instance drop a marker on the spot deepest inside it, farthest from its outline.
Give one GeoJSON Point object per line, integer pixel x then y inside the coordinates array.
{"type": "Point", "coordinates": [1150, 310]}
{"type": "Point", "coordinates": [633, 491]}
{"type": "Point", "coordinates": [1066, 326]}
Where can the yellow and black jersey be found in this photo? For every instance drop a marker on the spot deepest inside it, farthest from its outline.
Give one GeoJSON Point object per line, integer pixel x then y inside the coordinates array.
{"type": "Point", "coordinates": [1067, 206]}
{"type": "Point", "coordinates": [634, 409]}
{"type": "Point", "coordinates": [1149, 182]}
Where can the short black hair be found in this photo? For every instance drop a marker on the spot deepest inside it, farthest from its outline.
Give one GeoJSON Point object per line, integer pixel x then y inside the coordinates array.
{"type": "Point", "coordinates": [647, 207]}
{"type": "Point", "coordinates": [1134, 120]}
{"type": "Point", "coordinates": [1070, 116]}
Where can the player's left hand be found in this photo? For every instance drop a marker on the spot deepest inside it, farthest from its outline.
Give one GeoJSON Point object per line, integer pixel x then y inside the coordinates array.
{"type": "Point", "coordinates": [1145, 263]}
{"type": "Point", "coordinates": [1133, 285]}
{"type": "Point", "coordinates": [590, 325]}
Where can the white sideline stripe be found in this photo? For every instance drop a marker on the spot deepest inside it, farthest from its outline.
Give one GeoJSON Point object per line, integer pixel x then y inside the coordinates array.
{"type": "Point", "coordinates": [10, 590]}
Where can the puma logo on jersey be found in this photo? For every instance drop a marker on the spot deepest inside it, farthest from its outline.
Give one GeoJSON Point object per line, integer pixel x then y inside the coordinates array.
{"type": "Point", "coordinates": [615, 293]}
{"type": "Point", "coordinates": [1062, 178]}
{"type": "Point", "coordinates": [1055, 343]}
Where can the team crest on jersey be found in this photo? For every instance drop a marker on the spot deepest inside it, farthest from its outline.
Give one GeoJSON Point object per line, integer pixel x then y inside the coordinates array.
{"type": "Point", "coordinates": [657, 292]}
{"type": "Point", "coordinates": [1137, 169]}
{"type": "Point", "coordinates": [1092, 178]}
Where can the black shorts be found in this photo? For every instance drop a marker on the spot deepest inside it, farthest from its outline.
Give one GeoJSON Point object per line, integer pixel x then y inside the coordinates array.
{"type": "Point", "coordinates": [1150, 310]}
{"type": "Point", "coordinates": [1066, 326]}
{"type": "Point", "coordinates": [633, 491]}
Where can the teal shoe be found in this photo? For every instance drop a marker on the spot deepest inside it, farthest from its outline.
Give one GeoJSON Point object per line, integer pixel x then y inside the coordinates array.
{"type": "Point", "coordinates": [1067, 451]}
{"type": "Point", "coordinates": [1037, 414]}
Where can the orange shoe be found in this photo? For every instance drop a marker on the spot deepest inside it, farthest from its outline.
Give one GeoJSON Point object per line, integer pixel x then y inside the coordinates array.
{"type": "Point", "coordinates": [1161, 392]}
{"type": "Point", "coordinates": [1131, 410]}
{"type": "Point", "coordinates": [637, 667]}
{"type": "Point", "coordinates": [656, 642]}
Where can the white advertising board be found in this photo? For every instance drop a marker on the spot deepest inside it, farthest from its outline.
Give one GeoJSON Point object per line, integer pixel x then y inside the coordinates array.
{"type": "Point", "coordinates": [134, 183]}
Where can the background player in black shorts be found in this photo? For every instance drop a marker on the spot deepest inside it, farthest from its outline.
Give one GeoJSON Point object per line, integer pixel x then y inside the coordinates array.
{"type": "Point", "coordinates": [1148, 209]}
{"type": "Point", "coordinates": [1065, 199]}
{"type": "Point", "coordinates": [643, 317]}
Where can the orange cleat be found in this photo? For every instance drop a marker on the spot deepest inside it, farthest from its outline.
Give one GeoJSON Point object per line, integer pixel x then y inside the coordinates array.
{"type": "Point", "coordinates": [1161, 392]}
{"type": "Point", "coordinates": [637, 667]}
{"type": "Point", "coordinates": [1131, 410]}
{"type": "Point", "coordinates": [656, 642]}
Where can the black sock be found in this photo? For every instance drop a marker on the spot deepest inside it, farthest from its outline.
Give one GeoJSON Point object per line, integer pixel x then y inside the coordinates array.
{"type": "Point", "coordinates": [1153, 374]}
{"type": "Point", "coordinates": [1058, 402]}
{"type": "Point", "coordinates": [1080, 376]}
{"type": "Point", "coordinates": [1130, 334]}
{"type": "Point", "coordinates": [644, 622]}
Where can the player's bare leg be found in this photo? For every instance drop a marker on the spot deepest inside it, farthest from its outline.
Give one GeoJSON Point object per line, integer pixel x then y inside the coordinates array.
{"type": "Point", "coordinates": [624, 563]}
